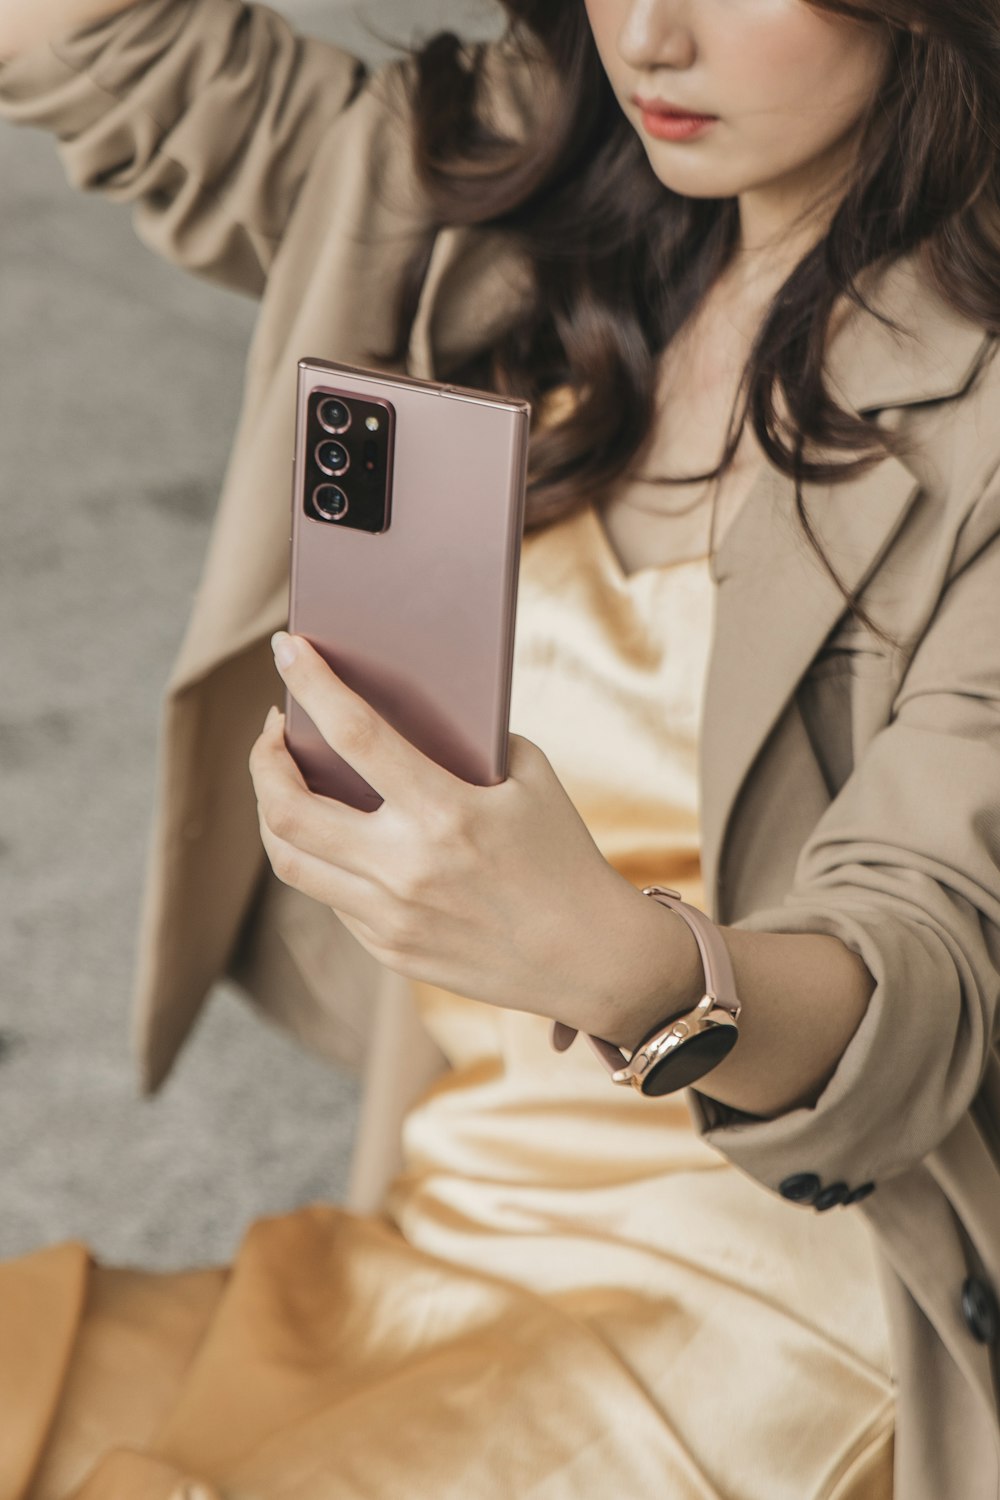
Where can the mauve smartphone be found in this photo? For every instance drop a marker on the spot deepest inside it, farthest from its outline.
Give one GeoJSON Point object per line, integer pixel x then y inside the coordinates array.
{"type": "Point", "coordinates": [407, 517]}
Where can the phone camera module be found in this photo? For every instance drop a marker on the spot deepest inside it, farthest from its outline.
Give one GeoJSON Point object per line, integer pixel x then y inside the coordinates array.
{"type": "Point", "coordinates": [334, 415]}
{"type": "Point", "coordinates": [345, 459]}
{"type": "Point", "coordinates": [330, 502]}
{"type": "Point", "coordinates": [333, 458]}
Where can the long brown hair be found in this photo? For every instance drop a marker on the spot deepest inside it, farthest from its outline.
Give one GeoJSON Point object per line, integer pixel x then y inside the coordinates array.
{"type": "Point", "coordinates": [619, 261]}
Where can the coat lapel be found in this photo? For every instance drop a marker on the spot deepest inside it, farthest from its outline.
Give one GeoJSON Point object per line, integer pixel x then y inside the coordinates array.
{"type": "Point", "coordinates": [775, 603]}
{"type": "Point", "coordinates": [774, 607]}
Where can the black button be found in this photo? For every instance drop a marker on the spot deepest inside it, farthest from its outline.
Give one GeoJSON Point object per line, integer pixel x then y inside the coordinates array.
{"type": "Point", "coordinates": [801, 1188]}
{"type": "Point", "coordinates": [856, 1195]}
{"type": "Point", "coordinates": [830, 1196]}
{"type": "Point", "coordinates": [980, 1311]}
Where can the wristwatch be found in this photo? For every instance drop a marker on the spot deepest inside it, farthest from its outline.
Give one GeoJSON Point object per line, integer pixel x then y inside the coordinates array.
{"type": "Point", "coordinates": [691, 1042]}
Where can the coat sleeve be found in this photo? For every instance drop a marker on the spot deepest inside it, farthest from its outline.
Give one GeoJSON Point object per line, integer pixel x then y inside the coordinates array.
{"type": "Point", "coordinates": [202, 114]}
{"type": "Point", "coordinates": [904, 868]}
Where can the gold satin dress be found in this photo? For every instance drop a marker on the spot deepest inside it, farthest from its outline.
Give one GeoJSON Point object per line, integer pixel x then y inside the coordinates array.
{"type": "Point", "coordinates": [569, 1295]}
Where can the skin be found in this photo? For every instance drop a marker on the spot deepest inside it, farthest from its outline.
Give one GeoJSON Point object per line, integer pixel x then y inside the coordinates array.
{"type": "Point", "coordinates": [789, 84]}
{"type": "Point", "coordinates": [499, 893]}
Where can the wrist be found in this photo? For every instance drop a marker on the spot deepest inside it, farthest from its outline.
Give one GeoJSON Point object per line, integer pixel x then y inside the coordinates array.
{"type": "Point", "coordinates": [655, 971]}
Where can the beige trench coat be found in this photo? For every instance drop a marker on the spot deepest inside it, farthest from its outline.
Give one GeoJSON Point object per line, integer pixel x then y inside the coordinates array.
{"type": "Point", "coordinates": [845, 789]}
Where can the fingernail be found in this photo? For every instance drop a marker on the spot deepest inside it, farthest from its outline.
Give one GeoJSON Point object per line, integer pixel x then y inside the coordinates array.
{"type": "Point", "coordinates": [272, 717]}
{"type": "Point", "coordinates": [284, 648]}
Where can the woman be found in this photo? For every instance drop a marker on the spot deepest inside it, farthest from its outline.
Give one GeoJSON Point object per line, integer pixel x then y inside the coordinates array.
{"type": "Point", "coordinates": [772, 687]}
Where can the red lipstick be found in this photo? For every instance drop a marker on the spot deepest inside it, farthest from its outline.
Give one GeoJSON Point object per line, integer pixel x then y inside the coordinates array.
{"type": "Point", "coordinates": [670, 122]}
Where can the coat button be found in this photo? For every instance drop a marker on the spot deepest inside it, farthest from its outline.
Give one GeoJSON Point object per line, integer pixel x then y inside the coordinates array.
{"type": "Point", "coordinates": [856, 1194]}
{"type": "Point", "coordinates": [980, 1311]}
{"type": "Point", "coordinates": [830, 1196]}
{"type": "Point", "coordinates": [802, 1187]}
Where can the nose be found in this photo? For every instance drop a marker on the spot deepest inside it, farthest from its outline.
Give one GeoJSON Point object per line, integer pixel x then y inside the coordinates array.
{"type": "Point", "coordinates": [655, 33]}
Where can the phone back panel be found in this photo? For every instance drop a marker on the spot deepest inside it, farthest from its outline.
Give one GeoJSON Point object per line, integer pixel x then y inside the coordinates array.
{"type": "Point", "coordinates": [419, 618]}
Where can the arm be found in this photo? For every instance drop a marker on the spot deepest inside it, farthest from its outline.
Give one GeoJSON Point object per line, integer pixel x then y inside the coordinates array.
{"type": "Point", "coordinates": [25, 24]}
{"type": "Point", "coordinates": [204, 115]}
{"type": "Point", "coordinates": [803, 998]}
{"type": "Point", "coordinates": [903, 869]}
{"type": "Point", "coordinates": [902, 872]}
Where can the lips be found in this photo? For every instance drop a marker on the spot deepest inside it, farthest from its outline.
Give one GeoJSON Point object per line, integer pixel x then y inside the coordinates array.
{"type": "Point", "coordinates": [660, 107]}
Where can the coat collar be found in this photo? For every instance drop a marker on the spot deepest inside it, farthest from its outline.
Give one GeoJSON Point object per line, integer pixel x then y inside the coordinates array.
{"type": "Point", "coordinates": [872, 368]}
{"type": "Point", "coordinates": [775, 604]}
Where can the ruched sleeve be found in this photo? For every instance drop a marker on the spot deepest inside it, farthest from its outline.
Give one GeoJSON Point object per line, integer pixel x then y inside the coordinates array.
{"type": "Point", "coordinates": [904, 868]}
{"type": "Point", "coordinates": [203, 114]}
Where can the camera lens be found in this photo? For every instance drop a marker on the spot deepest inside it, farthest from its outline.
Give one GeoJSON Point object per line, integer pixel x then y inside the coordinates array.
{"type": "Point", "coordinates": [333, 458]}
{"type": "Point", "coordinates": [330, 501]}
{"type": "Point", "coordinates": [333, 415]}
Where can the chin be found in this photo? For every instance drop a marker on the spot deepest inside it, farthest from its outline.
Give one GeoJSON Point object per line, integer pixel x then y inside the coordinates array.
{"type": "Point", "coordinates": [693, 184]}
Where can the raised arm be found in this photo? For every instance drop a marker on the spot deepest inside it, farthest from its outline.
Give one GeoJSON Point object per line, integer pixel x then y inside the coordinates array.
{"type": "Point", "coordinates": [28, 23]}
{"type": "Point", "coordinates": [204, 115]}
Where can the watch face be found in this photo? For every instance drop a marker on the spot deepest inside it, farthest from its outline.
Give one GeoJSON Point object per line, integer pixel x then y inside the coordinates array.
{"type": "Point", "coordinates": [690, 1061]}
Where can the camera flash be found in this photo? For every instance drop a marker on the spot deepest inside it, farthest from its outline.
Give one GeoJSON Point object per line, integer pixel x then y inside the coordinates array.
{"type": "Point", "coordinates": [372, 424]}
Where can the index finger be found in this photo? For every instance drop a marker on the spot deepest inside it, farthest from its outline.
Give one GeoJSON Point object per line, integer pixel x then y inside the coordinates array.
{"type": "Point", "coordinates": [386, 759]}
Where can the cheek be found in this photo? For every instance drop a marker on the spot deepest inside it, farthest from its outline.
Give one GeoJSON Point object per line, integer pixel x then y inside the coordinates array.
{"type": "Point", "coordinates": [606, 18]}
{"type": "Point", "coordinates": [797, 74]}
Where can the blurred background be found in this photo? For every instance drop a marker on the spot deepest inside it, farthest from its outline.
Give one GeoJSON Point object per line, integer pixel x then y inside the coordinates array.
{"type": "Point", "coordinates": [120, 383]}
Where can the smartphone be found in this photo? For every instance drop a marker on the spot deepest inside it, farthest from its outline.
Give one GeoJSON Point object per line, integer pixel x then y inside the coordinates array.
{"type": "Point", "coordinates": [407, 518]}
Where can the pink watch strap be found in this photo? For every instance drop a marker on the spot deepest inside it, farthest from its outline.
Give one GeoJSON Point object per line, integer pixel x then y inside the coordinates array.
{"type": "Point", "coordinates": [720, 982]}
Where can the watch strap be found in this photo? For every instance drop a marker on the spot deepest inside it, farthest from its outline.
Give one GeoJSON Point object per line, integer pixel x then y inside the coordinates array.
{"type": "Point", "coordinates": [720, 981]}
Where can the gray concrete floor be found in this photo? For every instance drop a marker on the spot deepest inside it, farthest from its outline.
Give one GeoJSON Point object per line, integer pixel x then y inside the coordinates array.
{"type": "Point", "coordinates": [120, 381]}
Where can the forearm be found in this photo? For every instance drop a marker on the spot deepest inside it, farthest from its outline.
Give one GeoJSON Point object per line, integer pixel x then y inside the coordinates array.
{"type": "Point", "coordinates": [25, 24]}
{"type": "Point", "coordinates": [803, 997]}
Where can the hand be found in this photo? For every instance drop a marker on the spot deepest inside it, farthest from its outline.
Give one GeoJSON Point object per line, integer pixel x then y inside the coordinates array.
{"type": "Point", "coordinates": [497, 893]}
